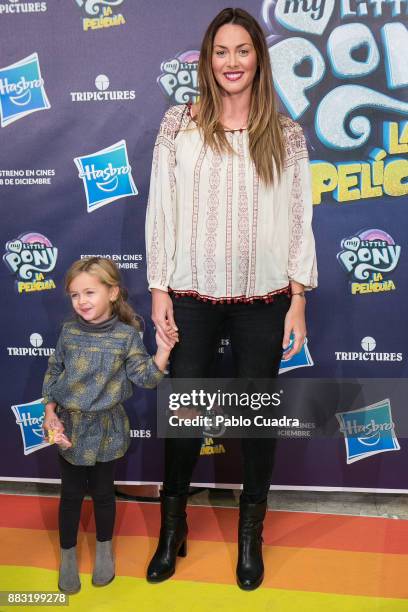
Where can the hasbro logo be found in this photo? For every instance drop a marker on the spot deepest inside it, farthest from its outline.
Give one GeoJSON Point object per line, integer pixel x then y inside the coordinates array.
{"type": "Point", "coordinates": [30, 417]}
{"type": "Point", "coordinates": [21, 90]}
{"type": "Point", "coordinates": [368, 431]}
{"type": "Point", "coordinates": [303, 359]}
{"type": "Point", "coordinates": [106, 175]}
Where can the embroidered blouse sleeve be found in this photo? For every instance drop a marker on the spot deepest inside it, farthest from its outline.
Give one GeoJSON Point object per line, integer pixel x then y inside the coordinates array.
{"type": "Point", "coordinates": [140, 367]}
{"type": "Point", "coordinates": [161, 207]}
{"type": "Point", "coordinates": [302, 255]}
{"type": "Point", "coordinates": [55, 368]}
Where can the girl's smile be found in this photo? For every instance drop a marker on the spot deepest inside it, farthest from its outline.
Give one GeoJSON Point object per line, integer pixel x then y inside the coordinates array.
{"type": "Point", "coordinates": [91, 299]}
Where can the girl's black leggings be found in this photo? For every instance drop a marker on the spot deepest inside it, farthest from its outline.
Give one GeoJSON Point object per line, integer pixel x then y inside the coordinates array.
{"type": "Point", "coordinates": [76, 481]}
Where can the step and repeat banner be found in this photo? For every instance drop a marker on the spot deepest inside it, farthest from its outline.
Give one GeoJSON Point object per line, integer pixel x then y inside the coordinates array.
{"type": "Point", "coordinates": [83, 87]}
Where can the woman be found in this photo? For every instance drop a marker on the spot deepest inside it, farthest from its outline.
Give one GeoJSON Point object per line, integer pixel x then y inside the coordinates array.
{"type": "Point", "coordinates": [229, 241]}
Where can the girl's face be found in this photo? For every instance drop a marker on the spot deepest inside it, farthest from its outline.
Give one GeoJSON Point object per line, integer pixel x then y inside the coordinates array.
{"type": "Point", "coordinates": [91, 299]}
{"type": "Point", "coordinates": [234, 61]}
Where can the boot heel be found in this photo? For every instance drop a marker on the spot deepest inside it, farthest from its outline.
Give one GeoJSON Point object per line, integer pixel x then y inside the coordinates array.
{"type": "Point", "coordinates": [182, 552]}
{"type": "Point", "coordinates": [172, 541]}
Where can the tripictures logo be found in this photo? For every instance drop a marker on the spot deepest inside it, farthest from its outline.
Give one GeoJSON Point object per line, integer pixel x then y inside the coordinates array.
{"type": "Point", "coordinates": [35, 350]}
{"type": "Point", "coordinates": [102, 93]}
{"type": "Point", "coordinates": [17, 7]}
{"type": "Point", "coordinates": [368, 344]}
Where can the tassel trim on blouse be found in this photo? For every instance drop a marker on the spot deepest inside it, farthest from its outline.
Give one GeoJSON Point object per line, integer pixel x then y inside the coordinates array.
{"type": "Point", "coordinates": [267, 298]}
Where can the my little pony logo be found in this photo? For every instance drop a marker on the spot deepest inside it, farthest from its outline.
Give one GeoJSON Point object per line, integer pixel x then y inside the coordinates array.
{"type": "Point", "coordinates": [178, 80]}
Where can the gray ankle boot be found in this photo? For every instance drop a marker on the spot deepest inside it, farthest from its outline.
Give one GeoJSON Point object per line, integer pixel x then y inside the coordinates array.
{"type": "Point", "coordinates": [68, 581]}
{"type": "Point", "coordinates": [104, 570]}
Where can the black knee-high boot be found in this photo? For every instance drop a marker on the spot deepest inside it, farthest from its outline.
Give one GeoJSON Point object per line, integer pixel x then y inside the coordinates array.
{"type": "Point", "coordinates": [250, 567]}
{"type": "Point", "coordinates": [172, 540]}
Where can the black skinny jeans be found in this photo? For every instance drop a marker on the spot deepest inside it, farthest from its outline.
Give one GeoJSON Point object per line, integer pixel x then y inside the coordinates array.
{"type": "Point", "coordinates": [76, 481]}
{"type": "Point", "coordinates": [256, 334]}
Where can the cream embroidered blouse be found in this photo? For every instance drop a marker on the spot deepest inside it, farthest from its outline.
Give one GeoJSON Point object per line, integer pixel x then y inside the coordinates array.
{"type": "Point", "coordinates": [214, 229]}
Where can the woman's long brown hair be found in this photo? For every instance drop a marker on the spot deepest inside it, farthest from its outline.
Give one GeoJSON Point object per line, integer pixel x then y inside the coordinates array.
{"type": "Point", "coordinates": [266, 144]}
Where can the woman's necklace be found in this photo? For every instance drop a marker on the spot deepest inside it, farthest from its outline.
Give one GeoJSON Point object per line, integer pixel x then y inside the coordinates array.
{"type": "Point", "coordinates": [235, 129]}
{"type": "Point", "coordinates": [240, 129]}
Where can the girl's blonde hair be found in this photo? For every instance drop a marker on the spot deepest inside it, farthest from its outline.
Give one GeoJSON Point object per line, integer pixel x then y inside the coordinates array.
{"type": "Point", "coordinates": [266, 144]}
{"type": "Point", "coordinates": [108, 274]}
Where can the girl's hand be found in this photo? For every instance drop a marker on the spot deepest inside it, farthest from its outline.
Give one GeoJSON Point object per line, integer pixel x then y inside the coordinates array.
{"type": "Point", "coordinates": [168, 342]}
{"type": "Point", "coordinates": [163, 350]}
{"type": "Point", "coordinates": [51, 421]}
{"type": "Point", "coordinates": [295, 324]}
{"type": "Point", "coordinates": [162, 317]}
{"type": "Point", "coordinates": [62, 440]}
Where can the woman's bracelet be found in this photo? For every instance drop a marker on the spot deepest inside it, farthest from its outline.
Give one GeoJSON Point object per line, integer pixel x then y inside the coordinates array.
{"type": "Point", "coordinates": [302, 293]}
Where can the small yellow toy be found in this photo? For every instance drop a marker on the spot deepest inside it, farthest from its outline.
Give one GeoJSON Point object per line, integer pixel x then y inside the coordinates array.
{"type": "Point", "coordinates": [57, 437]}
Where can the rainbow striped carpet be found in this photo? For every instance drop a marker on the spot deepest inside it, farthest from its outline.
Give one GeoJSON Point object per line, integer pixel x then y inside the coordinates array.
{"type": "Point", "coordinates": [314, 562]}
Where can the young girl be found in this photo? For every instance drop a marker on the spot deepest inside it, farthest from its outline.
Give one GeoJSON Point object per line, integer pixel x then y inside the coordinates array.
{"type": "Point", "coordinates": [98, 355]}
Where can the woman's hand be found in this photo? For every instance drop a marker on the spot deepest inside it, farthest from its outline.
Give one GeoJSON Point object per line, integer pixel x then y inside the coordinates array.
{"type": "Point", "coordinates": [295, 324]}
{"type": "Point", "coordinates": [162, 317]}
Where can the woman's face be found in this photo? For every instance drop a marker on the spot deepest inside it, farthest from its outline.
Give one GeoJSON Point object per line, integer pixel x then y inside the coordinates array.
{"type": "Point", "coordinates": [234, 61]}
